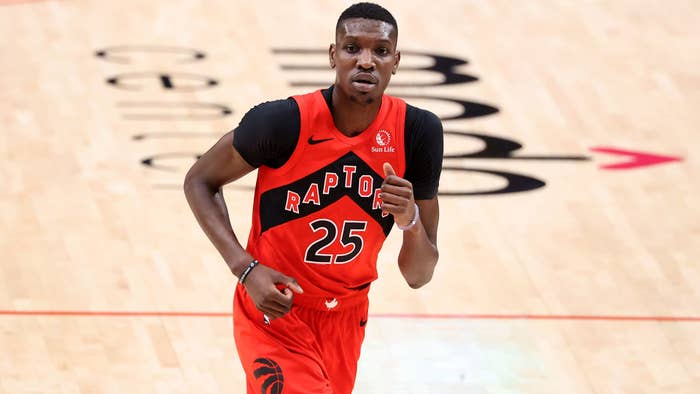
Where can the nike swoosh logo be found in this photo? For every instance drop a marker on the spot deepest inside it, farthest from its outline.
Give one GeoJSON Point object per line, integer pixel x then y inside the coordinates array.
{"type": "Point", "coordinates": [362, 323]}
{"type": "Point", "coordinates": [312, 141]}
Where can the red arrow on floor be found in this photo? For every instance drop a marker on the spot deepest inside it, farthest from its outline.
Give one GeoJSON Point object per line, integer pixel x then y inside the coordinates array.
{"type": "Point", "coordinates": [636, 159]}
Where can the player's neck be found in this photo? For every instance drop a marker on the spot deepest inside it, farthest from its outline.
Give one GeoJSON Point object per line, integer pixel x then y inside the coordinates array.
{"type": "Point", "coordinates": [350, 116]}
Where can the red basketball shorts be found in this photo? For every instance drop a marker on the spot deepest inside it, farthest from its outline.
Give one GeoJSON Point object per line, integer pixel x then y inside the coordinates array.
{"type": "Point", "coordinates": [313, 349]}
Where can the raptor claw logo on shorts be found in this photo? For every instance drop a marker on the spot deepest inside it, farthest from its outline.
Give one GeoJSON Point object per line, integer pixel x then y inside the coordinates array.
{"type": "Point", "coordinates": [268, 369]}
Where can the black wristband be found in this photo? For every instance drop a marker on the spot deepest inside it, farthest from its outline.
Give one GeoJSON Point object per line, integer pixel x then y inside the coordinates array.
{"type": "Point", "coordinates": [247, 270]}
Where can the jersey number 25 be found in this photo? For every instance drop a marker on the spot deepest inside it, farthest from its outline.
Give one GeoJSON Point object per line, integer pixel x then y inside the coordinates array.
{"type": "Point", "coordinates": [351, 234]}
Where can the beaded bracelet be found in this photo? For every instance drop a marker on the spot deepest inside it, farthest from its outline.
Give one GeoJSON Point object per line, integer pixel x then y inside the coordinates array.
{"type": "Point", "coordinates": [413, 222]}
{"type": "Point", "coordinates": [247, 270]}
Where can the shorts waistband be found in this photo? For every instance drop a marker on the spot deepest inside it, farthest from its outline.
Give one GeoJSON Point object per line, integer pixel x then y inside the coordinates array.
{"type": "Point", "coordinates": [330, 303]}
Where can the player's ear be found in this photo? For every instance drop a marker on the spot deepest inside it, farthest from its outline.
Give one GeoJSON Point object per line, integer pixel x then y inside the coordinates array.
{"type": "Point", "coordinates": [331, 55]}
{"type": "Point", "coordinates": [397, 59]}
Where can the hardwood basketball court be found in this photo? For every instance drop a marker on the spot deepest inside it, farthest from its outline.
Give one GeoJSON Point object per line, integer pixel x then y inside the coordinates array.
{"type": "Point", "coordinates": [569, 233]}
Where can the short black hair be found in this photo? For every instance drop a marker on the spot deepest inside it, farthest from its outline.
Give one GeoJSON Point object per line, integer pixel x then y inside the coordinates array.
{"type": "Point", "coordinates": [368, 11]}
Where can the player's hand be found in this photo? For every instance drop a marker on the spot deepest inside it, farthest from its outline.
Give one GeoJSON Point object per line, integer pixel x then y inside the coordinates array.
{"type": "Point", "coordinates": [271, 291]}
{"type": "Point", "coordinates": [397, 197]}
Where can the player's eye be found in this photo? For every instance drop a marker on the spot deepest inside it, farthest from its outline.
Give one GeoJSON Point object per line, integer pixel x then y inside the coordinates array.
{"type": "Point", "coordinates": [382, 51]}
{"type": "Point", "coordinates": [351, 48]}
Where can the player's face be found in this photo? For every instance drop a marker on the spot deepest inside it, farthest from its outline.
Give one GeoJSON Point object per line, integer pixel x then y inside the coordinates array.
{"type": "Point", "coordinates": [364, 57]}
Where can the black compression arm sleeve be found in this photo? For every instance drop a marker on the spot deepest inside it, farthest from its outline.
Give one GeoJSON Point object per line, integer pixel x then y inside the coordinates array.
{"type": "Point", "coordinates": [424, 151]}
{"type": "Point", "coordinates": [268, 133]}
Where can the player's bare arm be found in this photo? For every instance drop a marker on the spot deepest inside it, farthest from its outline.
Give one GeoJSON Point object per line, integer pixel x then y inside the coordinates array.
{"type": "Point", "coordinates": [419, 253]}
{"type": "Point", "coordinates": [203, 185]}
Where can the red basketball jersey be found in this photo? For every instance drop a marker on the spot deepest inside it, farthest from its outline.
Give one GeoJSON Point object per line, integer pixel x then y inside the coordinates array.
{"type": "Point", "coordinates": [318, 217]}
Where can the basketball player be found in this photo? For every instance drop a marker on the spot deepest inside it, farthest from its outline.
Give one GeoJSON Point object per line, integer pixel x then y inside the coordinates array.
{"type": "Point", "coordinates": [337, 168]}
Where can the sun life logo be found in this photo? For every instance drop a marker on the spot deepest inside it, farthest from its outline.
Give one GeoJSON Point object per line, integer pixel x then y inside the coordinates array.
{"type": "Point", "coordinates": [383, 139]}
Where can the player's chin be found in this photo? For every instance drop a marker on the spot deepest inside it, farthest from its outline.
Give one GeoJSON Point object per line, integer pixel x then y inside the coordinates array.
{"type": "Point", "coordinates": [363, 98]}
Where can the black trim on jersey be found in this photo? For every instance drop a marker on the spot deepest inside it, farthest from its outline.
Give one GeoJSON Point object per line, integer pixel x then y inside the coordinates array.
{"type": "Point", "coordinates": [274, 200]}
{"type": "Point", "coordinates": [269, 133]}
